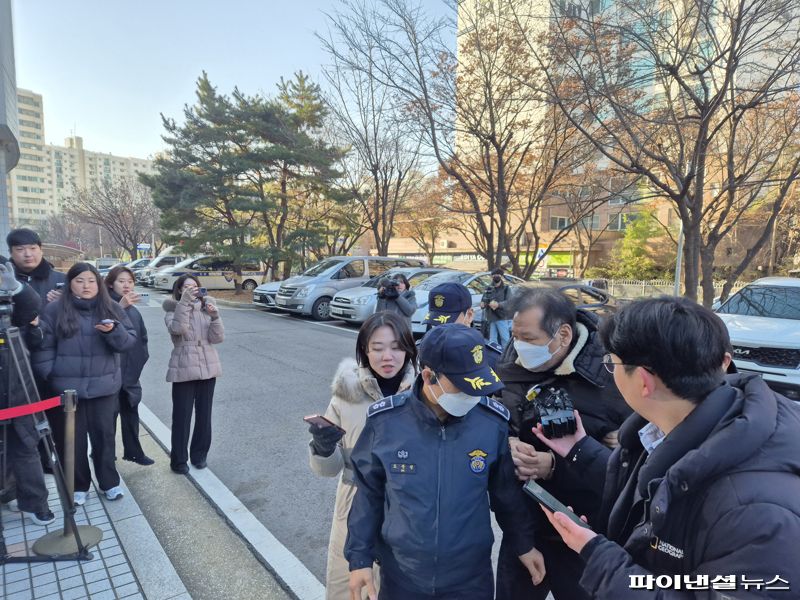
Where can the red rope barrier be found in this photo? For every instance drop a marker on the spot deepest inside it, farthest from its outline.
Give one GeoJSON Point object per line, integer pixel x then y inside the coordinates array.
{"type": "Point", "coordinates": [29, 409]}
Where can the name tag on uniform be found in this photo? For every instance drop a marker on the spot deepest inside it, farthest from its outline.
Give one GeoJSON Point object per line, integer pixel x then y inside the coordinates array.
{"type": "Point", "coordinates": [404, 468]}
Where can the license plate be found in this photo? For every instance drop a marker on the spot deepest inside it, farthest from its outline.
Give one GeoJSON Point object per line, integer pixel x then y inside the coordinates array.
{"type": "Point", "coordinates": [281, 301]}
{"type": "Point", "coordinates": [338, 313]}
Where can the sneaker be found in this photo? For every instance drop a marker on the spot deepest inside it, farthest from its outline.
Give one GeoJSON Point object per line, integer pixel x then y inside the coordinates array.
{"type": "Point", "coordinates": [114, 493]}
{"type": "Point", "coordinates": [80, 498]}
{"type": "Point", "coordinates": [12, 506]}
{"type": "Point", "coordinates": [41, 518]}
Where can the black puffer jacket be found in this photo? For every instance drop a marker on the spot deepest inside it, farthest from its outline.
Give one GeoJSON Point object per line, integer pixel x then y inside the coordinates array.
{"type": "Point", "coordinates": [594, 394]}
{"type": "Point", "coordinates": [719, 496]}
{"type": "Point", "coordinates": [43, 279]}
{"type": "Point", "coordinates": [89, 361]}
{"type": "Point", "coordinates": [133, 361]}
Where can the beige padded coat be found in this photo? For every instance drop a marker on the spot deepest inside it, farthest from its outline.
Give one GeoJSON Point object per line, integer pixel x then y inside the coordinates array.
{"type": "Point", "coordinates": [354, 390]}
{"type": "Point", "coordinates": [193, 332]}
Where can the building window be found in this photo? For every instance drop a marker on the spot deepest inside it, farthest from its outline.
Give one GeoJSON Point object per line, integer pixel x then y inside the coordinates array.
{"type": "Point", "coordinates": [591, 222]}
{"type": "Point", "coordinates": [559, 223]}
{"type": "Point", "coordinates": [620, 221]}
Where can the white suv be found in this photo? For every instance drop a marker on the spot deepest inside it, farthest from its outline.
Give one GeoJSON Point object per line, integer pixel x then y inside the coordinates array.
{"type": "Point", "coordinates": [763, 320]}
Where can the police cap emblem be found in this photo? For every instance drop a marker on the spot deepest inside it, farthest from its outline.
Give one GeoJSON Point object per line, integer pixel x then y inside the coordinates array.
{"type": "Point", "coordinates": [438, 301]}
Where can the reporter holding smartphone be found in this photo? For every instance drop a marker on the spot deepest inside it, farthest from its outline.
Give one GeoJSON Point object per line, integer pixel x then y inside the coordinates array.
{"type": "Point", "coordinates": [84, 331]}
{"type": "Point", "coordinates": [193, 321]}
{"type": "Point", "coordinates": [120, 282]}
{"type": "Point", "coordinates": [385, 365]}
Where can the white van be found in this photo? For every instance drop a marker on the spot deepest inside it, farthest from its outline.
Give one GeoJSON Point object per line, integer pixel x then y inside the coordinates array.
{"type": "Point", "coordinates": [214, 273]}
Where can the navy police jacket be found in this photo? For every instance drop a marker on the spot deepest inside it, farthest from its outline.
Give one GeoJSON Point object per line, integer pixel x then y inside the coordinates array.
{"type": "Point", "coordinates": [424, 492]}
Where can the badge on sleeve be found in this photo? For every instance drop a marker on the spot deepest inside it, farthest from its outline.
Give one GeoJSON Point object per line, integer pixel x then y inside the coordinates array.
{"type": "Point", "coordinates": [477, 461]}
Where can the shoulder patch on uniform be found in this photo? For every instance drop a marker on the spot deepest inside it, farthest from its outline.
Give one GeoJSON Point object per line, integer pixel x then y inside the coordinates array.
{"type": "Point", "coordinates": [496, 407]}
{"type": "Point", "coordinates": [385, 404]}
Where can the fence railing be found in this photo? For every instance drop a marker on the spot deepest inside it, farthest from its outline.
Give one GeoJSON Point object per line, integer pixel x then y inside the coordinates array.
{"type": "Point", "coordinates": [634, 288]}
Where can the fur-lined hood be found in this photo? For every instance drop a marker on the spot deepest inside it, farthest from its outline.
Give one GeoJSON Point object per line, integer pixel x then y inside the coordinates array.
{"type": "Point", "coordinates": [170, 304]}
{"type": "Point", "coordinates": [357, 384]}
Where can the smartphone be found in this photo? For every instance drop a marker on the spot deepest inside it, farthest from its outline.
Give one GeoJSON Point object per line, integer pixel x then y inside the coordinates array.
{"type": "Point", "coordinates": [107, 322]}
{"type": "Point", "coordinates": [321, 422]}
{"type": "Point", "coordinates": [144, 299]}
{"type": "Point", "coordinates": [59, 285]}
{"type": "Point", "coordinates": [546, 499]}
{"type": "Point", "coordinates": [202, 292]}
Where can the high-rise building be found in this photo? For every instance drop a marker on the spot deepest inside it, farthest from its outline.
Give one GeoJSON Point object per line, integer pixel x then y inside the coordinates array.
{"type": "Point", "coordinates": [47, 175]}
{"type": "Point", "coordinates": [9, 147]}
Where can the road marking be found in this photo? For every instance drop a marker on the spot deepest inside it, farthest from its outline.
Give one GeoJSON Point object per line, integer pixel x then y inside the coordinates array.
{"type": "Point", "coordinates": [280, 561]}
{"type": "Point", "coordinates": [288, 316]}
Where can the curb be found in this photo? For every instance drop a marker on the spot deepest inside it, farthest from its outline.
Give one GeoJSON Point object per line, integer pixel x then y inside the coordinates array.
{"type": "Point", "coordinates": [231, 303]}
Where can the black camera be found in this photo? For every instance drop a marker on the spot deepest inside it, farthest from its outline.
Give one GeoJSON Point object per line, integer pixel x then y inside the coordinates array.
{"type": "Point", "coordinates": [552, 407]}
{"type": "Point", "coordinates": [389, 288]}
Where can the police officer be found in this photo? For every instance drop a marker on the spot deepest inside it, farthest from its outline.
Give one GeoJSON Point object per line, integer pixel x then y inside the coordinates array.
{"type": "Point", "coordinates": [452, 303]}
{"type": "Point", "coordinates": [423, 466]}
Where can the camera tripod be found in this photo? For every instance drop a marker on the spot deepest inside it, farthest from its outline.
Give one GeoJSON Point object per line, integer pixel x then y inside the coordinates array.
{"type": "Point", "coordinates": [73, 542]}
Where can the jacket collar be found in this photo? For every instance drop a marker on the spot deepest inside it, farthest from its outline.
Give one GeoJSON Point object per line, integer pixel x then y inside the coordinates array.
{"type": "Point", "coordinates": [42, 271]}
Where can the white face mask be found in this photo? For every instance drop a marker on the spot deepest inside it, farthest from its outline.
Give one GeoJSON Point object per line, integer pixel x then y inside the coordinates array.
{"type": "Point", "coordinates": [533, 356]}
{"type": "Point", "coordinates": [457, 404]}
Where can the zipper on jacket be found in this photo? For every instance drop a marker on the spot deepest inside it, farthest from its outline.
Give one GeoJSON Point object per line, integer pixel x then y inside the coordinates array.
{"type": "Point", "coordinates": [442, 438]}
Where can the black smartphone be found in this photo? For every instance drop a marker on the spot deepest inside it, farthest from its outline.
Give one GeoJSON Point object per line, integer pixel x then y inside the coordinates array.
{"type": "Point", "coordinates": [202, 292]}
{"type": "Point", "coordinates": [321, 422]}
{"type": "Point", "coordinates": [546, 499]}
{"type": "Point", "coordinates": [107, 322]}
{"type": "Point", "coordinates": [59, 285]}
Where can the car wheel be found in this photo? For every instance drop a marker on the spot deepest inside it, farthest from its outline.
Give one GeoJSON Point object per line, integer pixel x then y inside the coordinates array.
{"type": "Point", "coordinates": [321, 311]}
{"type": "Point", "coordinates": [249, 285]}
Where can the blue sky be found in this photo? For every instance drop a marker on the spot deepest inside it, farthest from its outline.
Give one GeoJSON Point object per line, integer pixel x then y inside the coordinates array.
{"type": "Point", "coordinates": [107, 69]}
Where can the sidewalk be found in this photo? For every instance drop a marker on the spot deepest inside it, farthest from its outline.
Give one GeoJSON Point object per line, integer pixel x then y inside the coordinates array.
{"type": "Point", "coordinates": [129, 562]}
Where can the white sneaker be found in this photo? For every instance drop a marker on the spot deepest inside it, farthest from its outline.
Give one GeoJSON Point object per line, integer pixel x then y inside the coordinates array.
{"type": "Point", "coordinates": [80, 498]}
{"type": "Point", "coordinates": [12, 506]}
{"type": "Point", "coordinates": [114, 493]}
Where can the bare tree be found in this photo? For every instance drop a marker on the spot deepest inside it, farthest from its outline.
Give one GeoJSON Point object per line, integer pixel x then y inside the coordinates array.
{"type": "Point", "coordinates": [503, 146]}
{"type": "Point", "coordinates": [675, 92]}
{"type": "Point", "coordinates": [124, 208]}
{"type": "Point", "coordinates": [425, 219]}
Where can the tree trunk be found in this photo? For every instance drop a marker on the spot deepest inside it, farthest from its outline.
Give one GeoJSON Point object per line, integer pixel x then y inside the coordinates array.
{"type": "Point", "coordinates": [707, 270]}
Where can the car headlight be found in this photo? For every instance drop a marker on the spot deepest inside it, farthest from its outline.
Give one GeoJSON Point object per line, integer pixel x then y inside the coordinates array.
{"type": "Point", "coordinates": [362, 300]}
{"type": "Point", "coordinates": [304, 291]}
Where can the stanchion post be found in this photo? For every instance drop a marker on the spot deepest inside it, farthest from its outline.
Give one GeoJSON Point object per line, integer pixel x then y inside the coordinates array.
{"type": "Point", "coordinates": [70, 403]}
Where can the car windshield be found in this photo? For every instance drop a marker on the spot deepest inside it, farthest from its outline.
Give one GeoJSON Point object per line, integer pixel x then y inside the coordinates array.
{"type": "Point", "coordinates": [323, 266]}
{"type": "Point", "coordinates": [773, 301]}
{"type": "Point", "coordinates": [434, 280]}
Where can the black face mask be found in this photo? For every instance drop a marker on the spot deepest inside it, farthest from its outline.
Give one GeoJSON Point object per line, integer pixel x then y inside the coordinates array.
{"type": "Point", "coordinates": [497, 279]}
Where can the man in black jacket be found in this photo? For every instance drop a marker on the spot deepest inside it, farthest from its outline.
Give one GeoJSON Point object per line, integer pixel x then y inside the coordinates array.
{"type": "Point", "coordinates": [496, 317]}
{"type": "Point", "coordinates": [30, 489]}
{"type": "Point", "coordinates": [31, 267]}
{"type": "Point", "coordinates": [702, 497]}
{"type": "Point", "coordinates": [554, 346]}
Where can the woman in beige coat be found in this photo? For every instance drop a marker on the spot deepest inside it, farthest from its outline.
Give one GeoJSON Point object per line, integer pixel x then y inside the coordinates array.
{"type": "Point", "coordinates": [194, 323]}
{"type": "Point", "coordinates": [385, 364]}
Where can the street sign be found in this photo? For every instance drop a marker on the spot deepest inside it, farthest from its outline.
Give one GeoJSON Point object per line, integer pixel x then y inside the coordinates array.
{"type": "Point", "coordinates": [143, 246]}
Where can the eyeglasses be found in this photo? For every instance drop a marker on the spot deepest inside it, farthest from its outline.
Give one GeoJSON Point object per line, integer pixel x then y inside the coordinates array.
{"type": "Point", "coordinates": [610, 365]}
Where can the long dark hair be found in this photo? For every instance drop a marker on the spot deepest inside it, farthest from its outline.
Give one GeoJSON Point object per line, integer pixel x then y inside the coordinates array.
{"type": "Point", "coordinates": [401, 329]}
{"type": "Point", "coordinates": [403, 278]}
{"type": "Point", "coordinates": [116, 272]}
{"type": "Point", "coordinates": [176, 288]}
{"type": "Point", "coordinates": [67, 320]}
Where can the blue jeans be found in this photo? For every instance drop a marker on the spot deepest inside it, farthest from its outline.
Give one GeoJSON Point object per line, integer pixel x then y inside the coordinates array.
{"type": "Point", "coordinates": [500, 332]}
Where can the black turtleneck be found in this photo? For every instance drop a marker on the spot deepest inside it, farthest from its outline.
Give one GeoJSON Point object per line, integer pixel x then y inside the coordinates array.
{"type": "Point", "coordinates": [389, 386]}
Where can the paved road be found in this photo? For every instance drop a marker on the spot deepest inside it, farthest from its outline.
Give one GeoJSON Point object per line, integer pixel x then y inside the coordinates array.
{"type": "Point", "coordinates": [276, 369]}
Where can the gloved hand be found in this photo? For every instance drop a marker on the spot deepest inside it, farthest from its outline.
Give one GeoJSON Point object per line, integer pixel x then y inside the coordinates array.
{"type": "Point", "coordinates": [8, 283]}
{"type": "Point", "coordinates": [325, 439]}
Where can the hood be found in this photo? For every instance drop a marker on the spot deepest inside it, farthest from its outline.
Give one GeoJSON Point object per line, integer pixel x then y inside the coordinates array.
{"type": "Point", "coordinates": [272, 286]}
{"type": "Point", "coordinates": [298, 280]}
{"type": "Point", "coordinates": [357, 292]}
{"type": "Point", "coordinates": [762, 331]}
{"type": "Point", "coordinates": [352, 382]}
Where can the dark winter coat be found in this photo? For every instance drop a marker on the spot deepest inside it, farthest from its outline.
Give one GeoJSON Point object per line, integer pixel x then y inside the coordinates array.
{"type": "Point", "coordinates": [501, 295]}
{"type": "Point", "coordinates": [133, 361]}
{"type": "Point", "coordinates": [43, 279]}
{"type": "Point", "coordinates": [404, 304]}
{"type": "Point", "coordinates": [719, 496]}
{"type": "Point", "coordinates": [593, 393]}
{"type": "Point", "coordinates": [89, 361]}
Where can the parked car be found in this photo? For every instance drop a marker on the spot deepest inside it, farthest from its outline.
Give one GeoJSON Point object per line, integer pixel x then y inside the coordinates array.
{"type": "Point", "coordinates": [311, 292]}
{"type": "Point", "coordinates": [133, 265]}
{"type": "Point", "coordinates": [763, 320]}
{"type": "Point", "coordinates": [143, 277]}
{"type": "Point", "coordinates": [264, 294]}
{"type": "Point", "coordinates": [215, 273]}
{"type": "Point", "coordinates": [356, 304]}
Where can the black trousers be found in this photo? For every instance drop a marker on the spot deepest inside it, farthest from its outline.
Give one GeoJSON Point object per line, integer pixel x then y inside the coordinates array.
{"type": "Point", "coordinates": [26, 469]}
{"type": "Point", "coordinates": [95, 419]}
{"type": "Point", "coordinates": [188, 397]}
{"type": "Point", "coordinates": [481, 587]}
{"type": "Point", "coordinates": [564, 568]}
{"type": "Point", "coordinates": [129, 424]}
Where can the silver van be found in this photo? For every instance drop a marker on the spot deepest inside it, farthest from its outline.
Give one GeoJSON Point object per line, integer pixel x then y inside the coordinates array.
{"type": "Point", "coordinates": [311, 292]}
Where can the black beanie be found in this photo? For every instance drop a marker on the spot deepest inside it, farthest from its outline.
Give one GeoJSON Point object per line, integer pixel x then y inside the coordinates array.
{"type": "Point", "coordinates": [23, 237]}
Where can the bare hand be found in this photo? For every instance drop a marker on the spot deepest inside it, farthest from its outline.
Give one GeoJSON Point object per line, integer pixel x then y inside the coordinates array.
{"type": "Point", "coordinates": [189, 294]}
{"type": "Point", "coordinates": [526, 459]}
{"type": "Point", "coordinates": [212, 310]}
{"type": "Point", "coordinates": [574, 536]}
{"type": "Point", "coordinates": [359, 579]}
{"type": "Point", "coordinates": [611, 439]}
{"type": "Point", "coordinates": [534, 562]}
{"type": "Point", "coordinates": [35, 322]}
{"type": "Point", "coordinates": [104, 328]}
{"type": "Point", "coordinates": [53, 295]}
{"type": "Point", "coordinates": [562, 445]}
{"type": "Point", "coordinates": [493, 304]}
{"type": "Point", "coordinates": [130, 299]}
